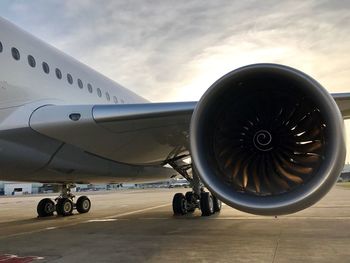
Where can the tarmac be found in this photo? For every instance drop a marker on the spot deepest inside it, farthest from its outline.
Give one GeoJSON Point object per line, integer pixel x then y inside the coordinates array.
{"type": "Point", "coordinates": [138, 226]}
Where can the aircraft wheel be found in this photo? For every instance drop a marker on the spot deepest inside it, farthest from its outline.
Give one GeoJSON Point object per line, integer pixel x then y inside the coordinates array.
{"type": "Point", "coordinates": [46, 207]}
{"type": "Point", "coordinates": [190, 202]}
{"type": "Point", "coordinates": [83, 204]}
{"type": "Point", "coordinates": [64, 206]}
{"type": "Point", "coordinates": [207, 205]}
{"type": "Point", "coordinates": [179, 204]}
{"type": "Point", "coordinates": [217, 204]}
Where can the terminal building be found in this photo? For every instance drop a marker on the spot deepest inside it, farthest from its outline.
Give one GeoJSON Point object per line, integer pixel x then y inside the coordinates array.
{"type": "Point", "coordinates": [25, 188]}
{"type": "Point", "coordinates": [17, 188]}
{"type": "Point", "coordinates": [345, 175]}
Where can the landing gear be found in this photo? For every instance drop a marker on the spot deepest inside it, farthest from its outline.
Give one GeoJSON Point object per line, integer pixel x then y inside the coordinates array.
{"type": "Point", "coordinates": [179, 204]}
{"type": "Point", "coordinates": [191, 202]}
{"type": "Point", "coordinates": [64, 207]}
{"type": "Point", "coordinates": [46, 207]}
{"type": "Point", "coordinates": [198, 197]}
{"type": "Point", "coordinates": [206, 202]}
{"type": "Point", "coordinates": [217, 204]}
{"type": "Point", "coordinates": [64, 204]}
{"type": "Point", "coordinates": [83, 204]}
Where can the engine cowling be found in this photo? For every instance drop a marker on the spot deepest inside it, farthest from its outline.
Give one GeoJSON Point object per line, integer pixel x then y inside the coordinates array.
{"type": "Point", "coordinates": [267, 139]}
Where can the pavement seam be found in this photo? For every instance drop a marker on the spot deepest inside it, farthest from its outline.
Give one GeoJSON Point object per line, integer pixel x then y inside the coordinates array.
{"type": "Point", "coordinates": [277, 244]}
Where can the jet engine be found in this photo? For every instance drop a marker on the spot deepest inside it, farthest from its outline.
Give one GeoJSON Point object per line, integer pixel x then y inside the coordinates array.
{"type": "Point", "coordinates": [267, 139]}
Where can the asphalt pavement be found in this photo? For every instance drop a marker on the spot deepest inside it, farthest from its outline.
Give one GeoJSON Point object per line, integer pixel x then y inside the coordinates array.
{"type": "Point", "coordinates": [138, 226]}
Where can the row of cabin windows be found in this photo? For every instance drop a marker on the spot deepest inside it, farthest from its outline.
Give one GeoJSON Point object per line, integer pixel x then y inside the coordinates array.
{"type": "Point", "coordinates": [31, 61]}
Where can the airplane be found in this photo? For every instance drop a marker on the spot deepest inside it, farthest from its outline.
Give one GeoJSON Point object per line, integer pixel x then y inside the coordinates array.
{"type": "Point", "coordinates": [266, 139]}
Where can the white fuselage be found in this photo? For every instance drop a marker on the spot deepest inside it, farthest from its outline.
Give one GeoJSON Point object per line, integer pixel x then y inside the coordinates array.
{"type": "Point", "coordinates": [26, 155]}
{"type": "Point", "coordinates": [21, 83]}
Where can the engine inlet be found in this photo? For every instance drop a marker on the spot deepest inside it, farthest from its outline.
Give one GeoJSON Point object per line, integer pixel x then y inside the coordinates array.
{"type": "Point", "coordinates": [267, 139]}
{"type": "Point", "coordinates": [271, 146]}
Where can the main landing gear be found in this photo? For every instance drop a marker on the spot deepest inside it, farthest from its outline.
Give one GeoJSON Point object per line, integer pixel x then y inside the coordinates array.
{"type": "Point", "coordinates": [206, 202]}
{"type": "Point", "coordinates": [198, 197]}
{"type": "Point", "coordinates": [64, 204]}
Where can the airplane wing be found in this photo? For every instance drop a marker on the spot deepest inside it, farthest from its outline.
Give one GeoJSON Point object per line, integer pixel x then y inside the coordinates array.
{"type": "Point", "coordinates": [343, 102]}
{"type": "Point", "coordinates": [128, 133]}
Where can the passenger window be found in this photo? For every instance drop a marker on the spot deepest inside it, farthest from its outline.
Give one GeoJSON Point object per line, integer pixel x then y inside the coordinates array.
{"type": "Point", "coordinates": [122, 101]}
{"type": "Point", "coordinates": [69, 78]}
{"type": "Point", "coordinates": [89, 88]}
{"type": "Point", "coordinates": [58, 73]}
{"type": "Point", "coordinates": [15, 53]}
{"type": "Point", "coordinates": [115, 99]}
{"type": "Point", "coordinates": [1, 47]}
{"type": "Point", "coordinates": [107, 96]}
{"type": "Point", "coordinates": [46, 68]}
{"type": "Point", "coordinates": [80, 83]}
{"type": "Point", "coordinates": [31, 61]}
{"type": "Point", "coordinates": [99, 93]}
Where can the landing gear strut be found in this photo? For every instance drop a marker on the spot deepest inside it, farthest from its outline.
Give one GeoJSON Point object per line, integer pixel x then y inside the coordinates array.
{"type": "Point", "coordinates": [64, 204]}
{"type": "Point", "coordinates": [198, 197]}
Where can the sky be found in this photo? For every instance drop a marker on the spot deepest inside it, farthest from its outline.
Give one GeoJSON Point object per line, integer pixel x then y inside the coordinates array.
{"type": "Point", "coordinates": [168, 50]}
{"type": "Point", "coordinates": [174, 50]}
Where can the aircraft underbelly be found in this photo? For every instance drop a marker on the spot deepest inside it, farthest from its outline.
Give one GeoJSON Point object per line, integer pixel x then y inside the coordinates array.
{"type": "Point", "coordinates": [26, 155]}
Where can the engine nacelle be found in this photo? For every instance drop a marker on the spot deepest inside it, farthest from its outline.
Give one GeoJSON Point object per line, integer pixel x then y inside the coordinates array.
{"type": "Point", "coordinates": [267, 139]}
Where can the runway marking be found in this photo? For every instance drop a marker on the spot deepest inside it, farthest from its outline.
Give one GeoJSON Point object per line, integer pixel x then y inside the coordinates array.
{"type": "Point", "coordinates": [154, 218]}
{"type": "Point", "coordinates": [82, 222]}
{"type": "Point", "coordinates": [51, 228]}
{"type": "Point", "coordinates": [136, 211]}
{"type": "Point", "coordinates": [7, 258]}
{"type": "Point", "coordinates": [101, 220]}
{"type": "Point", "coordinates": [29, 232]}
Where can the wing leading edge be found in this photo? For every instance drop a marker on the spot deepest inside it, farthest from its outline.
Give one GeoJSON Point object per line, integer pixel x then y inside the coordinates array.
{"type": "Point", "coordinates": [130, 133]}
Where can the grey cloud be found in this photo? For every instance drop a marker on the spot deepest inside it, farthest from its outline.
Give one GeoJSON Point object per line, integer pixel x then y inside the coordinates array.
{"type": "Point", "coordinates": [157, 48]}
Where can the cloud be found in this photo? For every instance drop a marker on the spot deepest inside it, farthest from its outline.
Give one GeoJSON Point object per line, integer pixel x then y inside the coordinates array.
{"type": "Point", "coordinates": [166, 50]}
{"type": "Point", "coordinates": [173, 50]}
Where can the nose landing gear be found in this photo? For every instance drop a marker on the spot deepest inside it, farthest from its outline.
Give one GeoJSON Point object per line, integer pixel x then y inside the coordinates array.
{"type": "Point", "coordinates": [64, 204]}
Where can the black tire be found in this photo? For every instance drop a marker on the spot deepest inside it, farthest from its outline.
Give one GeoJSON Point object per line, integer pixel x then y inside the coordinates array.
{"type": "Point", "coordinates": [217, 204]}
{"type": "Point", "coordinates": [179, 204]}
{"type": "Point", "coordinates": [207, 205]}
{"type": "Point", "coordinates": [64, 207]}
{"type": "Point", "coordinates": [83, 204]}
{"type": "Point", "coordinates": [45, 208]}
{"type": "Point", "coordinates": [190, 202]}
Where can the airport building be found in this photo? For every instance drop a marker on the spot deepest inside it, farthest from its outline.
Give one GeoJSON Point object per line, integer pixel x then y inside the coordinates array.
{"type": "Point", "coordinates": [18, 188]}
